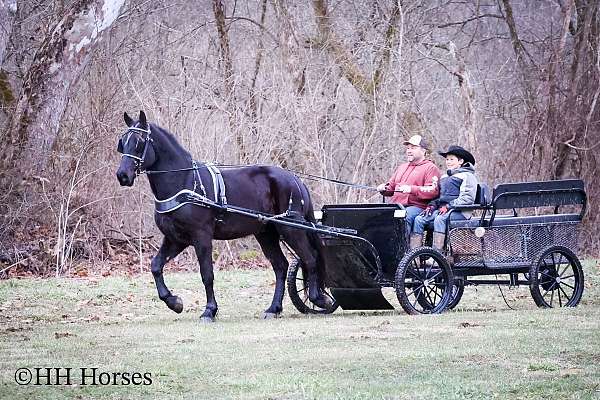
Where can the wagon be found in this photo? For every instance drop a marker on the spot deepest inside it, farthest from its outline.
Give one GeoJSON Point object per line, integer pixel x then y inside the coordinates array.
{"type": "Point", "coordinates": [526, 231]}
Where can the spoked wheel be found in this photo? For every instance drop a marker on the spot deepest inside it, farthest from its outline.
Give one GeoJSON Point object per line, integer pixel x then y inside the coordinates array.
{"type": "Point", "coordinates": [298, 292]}
{"type": "Point", "coordinates": [424, 281]}
{"type": "Point", "coordinates": [457, 291]}
{"type": "Point", "coordinates": [556, 278]}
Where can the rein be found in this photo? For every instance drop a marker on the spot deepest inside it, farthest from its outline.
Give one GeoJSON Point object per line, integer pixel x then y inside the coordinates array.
{"type": "Point", "coordinates": [315, 178]}
{"type": "Point", "coordinates": [170, 170]}
{"type": "Point", "coordinates": [139, 161]}
{"type": "Point", "coordinates": [336, 181]}
{"type": "Point", "coordinates": [309, 176]}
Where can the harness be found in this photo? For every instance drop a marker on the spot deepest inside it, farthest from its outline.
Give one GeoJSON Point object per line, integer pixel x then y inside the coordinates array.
{"type": "Point", "coordinates": [187, 196]}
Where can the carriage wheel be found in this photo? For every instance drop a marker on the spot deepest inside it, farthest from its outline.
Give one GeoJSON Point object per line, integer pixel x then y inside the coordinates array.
{"type": "Point", "coordinates": [556, 278]}
{"type": "Point", "coordinates": [458, 289]}
{"type": "Point", "coordinates": [298, 292]}
{"type": "Point", "coordinates": [424, 281]}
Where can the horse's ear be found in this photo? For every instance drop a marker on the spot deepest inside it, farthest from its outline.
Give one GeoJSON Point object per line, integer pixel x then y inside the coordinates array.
{"type": "Point", "coordinates": [128, 119]}
{"type": "Point", "coordinates": [142, 119]}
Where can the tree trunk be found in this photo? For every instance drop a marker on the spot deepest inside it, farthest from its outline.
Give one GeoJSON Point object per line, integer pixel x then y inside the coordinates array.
{"type": "Point", "coordinates": [8, 10]}
{"type": "Point", "coordinates": [54, 71]}
{"type": "Point", "coordinates": [366, 86]}
{"type": "Point", "coordinates": [343, 58]}
{"type": "Point", "coordinates": [583, 81]}
{"type": "Point", "coordinates": [228, 78]}
{"type": "Point", "coordinates": [467, 101]}
{"type": "Point", "coordinates": [520, 53]}
{"type": "Point", "coordinates": [253, 103]}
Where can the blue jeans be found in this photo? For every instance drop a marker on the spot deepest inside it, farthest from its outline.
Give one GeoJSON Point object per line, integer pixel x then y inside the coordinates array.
{"type": "Point", "coordinates": [411, 214]}
{"type": "Point", "coordinates": [439, 221]}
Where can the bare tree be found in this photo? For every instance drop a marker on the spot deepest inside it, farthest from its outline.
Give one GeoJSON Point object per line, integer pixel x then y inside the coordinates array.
{"type": "Point", "coordinates": [228, 77]}
{"type": "Point", "coordinates": [367, 85]}
{"type": "Point", "coordinates": [56, 67]}
{"type": "Point", "coordinates": [8, 9]}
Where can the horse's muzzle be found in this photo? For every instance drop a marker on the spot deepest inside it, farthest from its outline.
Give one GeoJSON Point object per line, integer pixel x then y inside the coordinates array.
{"type": "Point", "coordinates": [124, 178]}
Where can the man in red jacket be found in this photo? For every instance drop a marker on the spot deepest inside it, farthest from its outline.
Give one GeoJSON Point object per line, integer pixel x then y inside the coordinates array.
{"type": "Point", "coordinates": [414, 183]}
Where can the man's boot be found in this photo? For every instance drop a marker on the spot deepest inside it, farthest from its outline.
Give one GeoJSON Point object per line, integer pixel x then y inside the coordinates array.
{"type": "Point", "coordinates": [438, 244]}
{"type": "Point", "coordinates": [416, 240]}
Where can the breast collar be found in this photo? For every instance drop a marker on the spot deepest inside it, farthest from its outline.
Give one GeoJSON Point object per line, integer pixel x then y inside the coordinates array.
{"type": "Point", "coordinates": [187, 196]}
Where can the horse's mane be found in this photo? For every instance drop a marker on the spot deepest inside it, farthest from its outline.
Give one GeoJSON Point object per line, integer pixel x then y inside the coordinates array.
{"type": "Point", "coordinates": [168, 142]}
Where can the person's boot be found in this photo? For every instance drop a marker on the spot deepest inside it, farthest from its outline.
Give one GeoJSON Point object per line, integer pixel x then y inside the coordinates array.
{"type": "Point", "coordinates": [438, 244]}
{"type": "Point", "coordinates": [416, 240]}
{"type": "Point", "coordinates": [438, 241]}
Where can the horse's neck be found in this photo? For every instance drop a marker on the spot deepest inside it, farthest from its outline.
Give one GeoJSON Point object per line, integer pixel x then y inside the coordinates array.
{"type": "Point", "coordinates": [167, 184]}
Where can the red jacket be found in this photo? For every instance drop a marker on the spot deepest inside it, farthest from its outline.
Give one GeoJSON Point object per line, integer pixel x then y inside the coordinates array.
{"type": "Point", "coordinates": [422, 176]}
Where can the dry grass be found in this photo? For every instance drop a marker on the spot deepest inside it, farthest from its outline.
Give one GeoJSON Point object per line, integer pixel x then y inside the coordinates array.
{"type": "Point", "coordinates": [482, 350]}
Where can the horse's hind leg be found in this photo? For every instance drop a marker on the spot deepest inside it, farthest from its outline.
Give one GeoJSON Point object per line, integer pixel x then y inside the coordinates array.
{"type": "Point", "coordinates": [269, 243]}
{"type": "Point", "coordinates": [299, 242]}
{"type": "Point", "coordinates": [168, 250]}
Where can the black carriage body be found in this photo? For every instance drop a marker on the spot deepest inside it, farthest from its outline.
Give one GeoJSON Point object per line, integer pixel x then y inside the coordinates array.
{"type": "Point", "coordinates": [506, 244]}
{"type": "Point", "coordinates": [355, 272]}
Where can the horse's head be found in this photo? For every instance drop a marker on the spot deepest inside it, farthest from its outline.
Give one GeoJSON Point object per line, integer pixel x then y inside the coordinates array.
{"type": "Point", "coordinates": [136, 147]}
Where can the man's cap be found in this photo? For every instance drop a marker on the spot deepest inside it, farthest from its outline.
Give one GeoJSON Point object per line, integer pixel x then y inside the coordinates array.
{"type": "Point", "coordinates": [460, 153]}
{"type": "Point", "coordinates": [417, 140]}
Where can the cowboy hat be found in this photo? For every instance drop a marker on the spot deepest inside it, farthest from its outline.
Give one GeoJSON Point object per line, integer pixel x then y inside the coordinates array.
{"type": "Point", "coordinates": [460, 153]}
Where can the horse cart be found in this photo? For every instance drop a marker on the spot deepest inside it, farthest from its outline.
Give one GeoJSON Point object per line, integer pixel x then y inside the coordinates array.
{"type": "Point", "coordinates": [526, 231]}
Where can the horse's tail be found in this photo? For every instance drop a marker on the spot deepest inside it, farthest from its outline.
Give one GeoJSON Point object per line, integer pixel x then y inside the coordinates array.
{"type": "Point", "coordinates": [315, 241]}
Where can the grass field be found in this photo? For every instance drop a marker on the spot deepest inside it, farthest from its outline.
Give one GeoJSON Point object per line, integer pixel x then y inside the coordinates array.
{"type": "Point", "coordinates": [484, 349]}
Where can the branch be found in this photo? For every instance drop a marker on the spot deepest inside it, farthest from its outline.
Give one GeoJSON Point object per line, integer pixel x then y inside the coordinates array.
{"type": "Point", "coordinates": [260, 25]}
{"type": "Point", "coordinates": [466, 21]}
{"type": "Point", "coordinates": [329, 40]}
{"type": "Point", "coordinates": [390, 35]}
{"type": "Point", "coordinates": [520, 52]}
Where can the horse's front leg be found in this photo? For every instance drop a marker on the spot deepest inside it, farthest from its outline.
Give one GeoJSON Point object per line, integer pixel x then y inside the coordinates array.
{"type": "Point", "coordinates": [168, 250]}
{"type": "Point", "coordinates": [204, 253]}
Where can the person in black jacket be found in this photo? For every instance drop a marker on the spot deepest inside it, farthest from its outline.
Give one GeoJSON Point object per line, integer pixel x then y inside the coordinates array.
{"type": "Point", "coordinates": [458, 187]}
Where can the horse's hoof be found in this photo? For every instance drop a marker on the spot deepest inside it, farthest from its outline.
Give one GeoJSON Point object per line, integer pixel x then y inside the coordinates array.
{"type": "Point", "coordinates": [207, 319]}
{"type": "Point", "coordinates": [175, 303]}
{"type": "Point", "coordinates": [270, 315]}
{"type": "Point", "coordinates": [323, 302]}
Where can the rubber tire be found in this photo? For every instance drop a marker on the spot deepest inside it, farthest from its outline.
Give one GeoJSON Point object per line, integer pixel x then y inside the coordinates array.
{"type": "Point", "coordinates": [454, 300]}
{"type": "Point", "coordinates": [534, 282]}
{"type": "Point", "coordinates": [401, 276]}
{"type": "Point", "coordinates": [297, 301]}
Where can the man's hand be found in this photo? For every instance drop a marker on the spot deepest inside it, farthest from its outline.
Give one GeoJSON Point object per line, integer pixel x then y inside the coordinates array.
{"type": "Point", "coordinates": [404, 189]}
{"type": "Point", "coordinates": [385, 190]}
{"type": "Point", "coordinates": [443, 210]}
{"type": "Point", "coordinates": [427, 211]}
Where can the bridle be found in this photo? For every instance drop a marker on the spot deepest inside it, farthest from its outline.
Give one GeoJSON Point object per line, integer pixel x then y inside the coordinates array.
{"type": "Point", "coordinates": [138, 160]}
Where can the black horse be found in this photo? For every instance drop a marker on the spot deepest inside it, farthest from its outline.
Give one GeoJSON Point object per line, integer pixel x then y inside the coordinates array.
{"type": "Point", "coordinates": [171, 169]}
